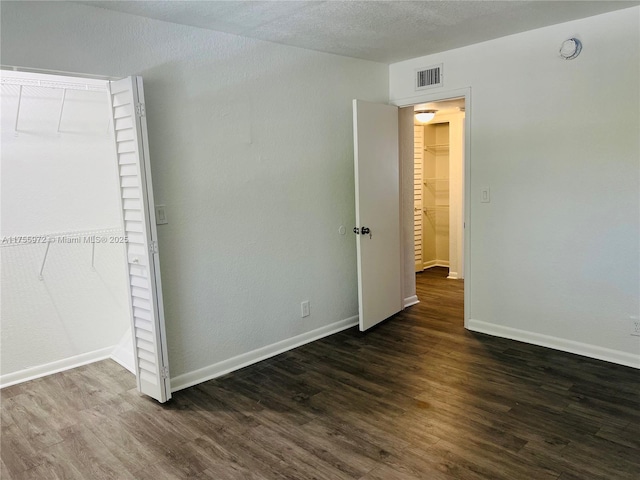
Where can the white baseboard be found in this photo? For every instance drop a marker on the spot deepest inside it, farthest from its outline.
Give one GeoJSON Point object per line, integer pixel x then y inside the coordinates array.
{"type": "Point", "coordinates": [584, 349]}
{"type": "Point", "coordinates": [226, 366]}
{"type": "Point", "coordinates": [452, 275]}
{"type": "Point", "coordinates": [38, 371]}
{"type": "Point", "coordinates": [436, 263]}
{"type": "Point", "coordinates": [412, 300]}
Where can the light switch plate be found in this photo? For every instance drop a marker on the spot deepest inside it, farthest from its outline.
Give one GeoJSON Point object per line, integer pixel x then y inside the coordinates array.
{"type": "Point", "coordinates": [161, 215]}
{"type": "Point", "coordinates": [485, 195]}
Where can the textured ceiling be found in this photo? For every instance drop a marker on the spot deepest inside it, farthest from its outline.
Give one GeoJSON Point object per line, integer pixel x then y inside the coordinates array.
{"type": "Point", "coordinates": [382, 31]}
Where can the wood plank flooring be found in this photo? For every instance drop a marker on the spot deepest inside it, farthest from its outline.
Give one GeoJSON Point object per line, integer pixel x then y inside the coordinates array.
{"type": "Point", "coordinates": [418, 397]}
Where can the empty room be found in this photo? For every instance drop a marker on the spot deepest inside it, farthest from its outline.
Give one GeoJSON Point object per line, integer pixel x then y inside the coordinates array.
{"type": "Point", "coordinates": [320, 239]}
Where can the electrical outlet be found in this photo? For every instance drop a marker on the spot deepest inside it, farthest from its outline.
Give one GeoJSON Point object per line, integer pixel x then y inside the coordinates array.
{"type": "Point", "coordinates": [304, 306]}
{"type": "Point", "coordinates": [635, 325]}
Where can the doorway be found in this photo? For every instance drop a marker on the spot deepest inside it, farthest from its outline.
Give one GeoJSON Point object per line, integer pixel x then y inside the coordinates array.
{"type": "Point", "coordinates": [438, 186]}
{"type": "Point", "coordinates": [393, 126]}
{"type": "Point", "coordinates": [76, 186]}
{"type": "Point", "coordinates": [64, 290]}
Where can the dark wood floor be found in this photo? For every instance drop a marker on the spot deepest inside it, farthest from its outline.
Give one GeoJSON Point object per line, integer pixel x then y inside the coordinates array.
{"type": "Point", "coordinates": [416, 398]}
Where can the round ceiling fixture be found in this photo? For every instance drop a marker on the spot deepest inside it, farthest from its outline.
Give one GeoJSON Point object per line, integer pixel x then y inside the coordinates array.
{"type": "Point", "coordinates": [570, 48]}
{"type": "Point", "coordinates": [425, 116]}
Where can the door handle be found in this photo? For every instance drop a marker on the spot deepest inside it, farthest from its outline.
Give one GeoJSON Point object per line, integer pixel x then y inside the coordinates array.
{"type": "Point", "coordinates": [356, 230]}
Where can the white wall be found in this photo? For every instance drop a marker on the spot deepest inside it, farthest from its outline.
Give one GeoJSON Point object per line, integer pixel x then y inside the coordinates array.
{"type": "Point", "coordinates": [58, 183]}
{"type": "Point", "coordinates": [54, 181]}
{"type": "Point", "coordinates": [251, 151]}
{"type": "Point", "coordinates": [554, 256]}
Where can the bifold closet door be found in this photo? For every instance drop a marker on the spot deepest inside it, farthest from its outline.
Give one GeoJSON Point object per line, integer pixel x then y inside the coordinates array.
{"type": "Point", "coordinates": [138, 216]}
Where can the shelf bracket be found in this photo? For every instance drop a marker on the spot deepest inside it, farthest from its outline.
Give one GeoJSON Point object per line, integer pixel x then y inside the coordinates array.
{"type": "Point", "coordinates": [93, 255]}
{"type": "Point", "coordinates": [64, 94]}
{"type": "Point", "coordinates": [44, 260]}
{"type": "Point", "coordinates": [18, 111]}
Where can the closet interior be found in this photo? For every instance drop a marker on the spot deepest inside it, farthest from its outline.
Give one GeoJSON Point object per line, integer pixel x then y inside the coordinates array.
{"type": "Point", "coordinates": [438, 187]}
{"type": "Point", "coordinates": [64, 290]}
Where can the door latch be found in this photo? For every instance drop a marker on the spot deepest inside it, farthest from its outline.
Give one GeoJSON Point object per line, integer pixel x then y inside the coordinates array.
{"type": "Point", "coordinates": [356, 230]}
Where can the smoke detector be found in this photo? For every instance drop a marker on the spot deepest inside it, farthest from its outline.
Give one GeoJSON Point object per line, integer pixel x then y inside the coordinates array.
{"type": "Point", "coordinates": [570, 48]}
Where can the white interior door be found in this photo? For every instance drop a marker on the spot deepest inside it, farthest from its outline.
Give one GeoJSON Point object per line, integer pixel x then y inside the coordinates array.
{"type": "Point", "coordinates": [138, 214]}
{"type": "Point", "coordinates": [377, 184]}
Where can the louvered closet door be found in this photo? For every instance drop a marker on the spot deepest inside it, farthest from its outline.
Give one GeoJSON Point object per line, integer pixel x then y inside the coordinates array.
{"type": "Point", "coordinates": [138, 213]}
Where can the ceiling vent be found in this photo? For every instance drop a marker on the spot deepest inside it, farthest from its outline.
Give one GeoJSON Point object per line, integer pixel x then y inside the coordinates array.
{"type": "Point", "coordinates": [429, 77]}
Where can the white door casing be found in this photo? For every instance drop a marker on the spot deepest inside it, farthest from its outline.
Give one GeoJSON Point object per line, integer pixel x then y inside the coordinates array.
{"type": "Point", "coordinates": [465, 213]}
{"type": "Point", "coordinates": [138, 216]}
{"type": "Point", "coordinates": [377, 187]}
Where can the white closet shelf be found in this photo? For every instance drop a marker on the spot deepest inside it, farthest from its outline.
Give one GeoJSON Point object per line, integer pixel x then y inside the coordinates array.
{"type": "Point", "coordinates": [436, 179]}
{"type": "Point", "coordinates": [105, 236]}
{"type": "Point", "coordinates": [437, 147]}
{"type": "Point", "coordinates": [91, 86]}
{"type": "Point", "coordinates": [436, 207]}
{"type": "Point", "coordinates": [27, 82]}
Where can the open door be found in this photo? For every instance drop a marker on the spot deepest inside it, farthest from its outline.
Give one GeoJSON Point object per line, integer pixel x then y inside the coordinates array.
{"type": "Point", "coordinates": [378, 237]}
{"type": "Point", "coordinates": [138, 215]}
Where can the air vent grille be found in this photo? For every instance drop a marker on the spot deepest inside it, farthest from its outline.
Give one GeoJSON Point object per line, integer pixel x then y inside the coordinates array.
{"type": "Point", "coordinates": [429, 77]}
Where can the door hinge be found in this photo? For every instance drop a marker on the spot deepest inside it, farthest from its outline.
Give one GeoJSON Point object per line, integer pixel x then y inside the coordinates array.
{"type": "Point", "coordinates": [164, 372]}
{"type": "Point", "coordinates": [153, 247]}
{"type": "Point", "coordinates": [140, 111]}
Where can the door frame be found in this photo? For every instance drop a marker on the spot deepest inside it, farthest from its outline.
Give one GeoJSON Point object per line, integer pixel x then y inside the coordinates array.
{"type": "Point", "coordinates": [466, 204]}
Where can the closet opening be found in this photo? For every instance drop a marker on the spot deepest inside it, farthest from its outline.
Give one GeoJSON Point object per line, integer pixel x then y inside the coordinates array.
{"type": "Point", "coordinates": [63, 260]}
{"type": "Point", "coordinates": [439, 167]}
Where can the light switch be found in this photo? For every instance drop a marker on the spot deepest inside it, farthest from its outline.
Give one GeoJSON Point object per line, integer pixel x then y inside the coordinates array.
{"type": "Point", "coordinates": [161, 215]}
{"type": "Point", "coordinates": [485, 196]}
